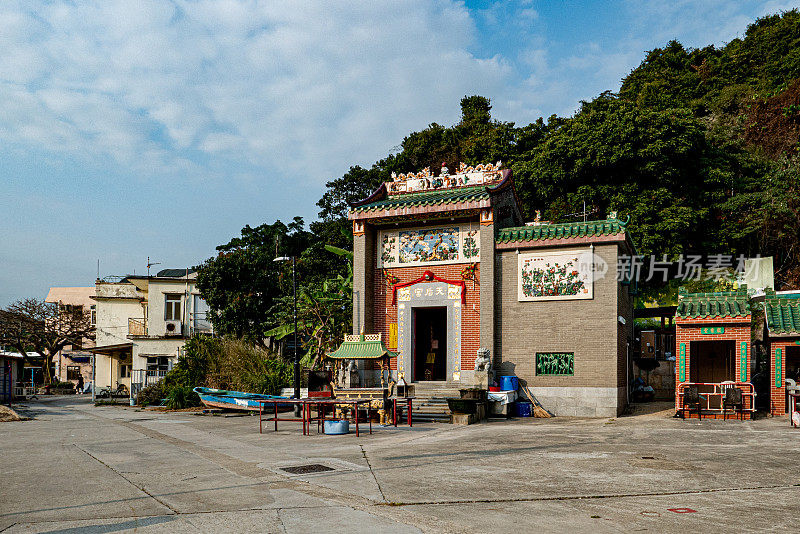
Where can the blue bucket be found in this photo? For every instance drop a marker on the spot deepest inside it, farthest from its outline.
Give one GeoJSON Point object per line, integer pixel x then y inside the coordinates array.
{"type": "Point", "coordinates": [523, 409]}
{"type": "Point", "coordinates": [337, 427]}
{"type": "Point", "coordinates": [509, 383]}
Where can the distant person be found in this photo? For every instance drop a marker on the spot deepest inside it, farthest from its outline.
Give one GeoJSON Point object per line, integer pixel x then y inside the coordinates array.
{"type": "Point", "coordinates": [79, 389]}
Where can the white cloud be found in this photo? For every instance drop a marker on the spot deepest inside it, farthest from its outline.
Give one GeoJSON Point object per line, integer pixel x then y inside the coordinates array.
{"type": "Point", "coordinates": [304, 88]}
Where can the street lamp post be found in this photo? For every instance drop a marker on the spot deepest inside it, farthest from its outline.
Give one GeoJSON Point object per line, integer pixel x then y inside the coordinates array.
{"type": "Point", "coordinates": [294, 293]}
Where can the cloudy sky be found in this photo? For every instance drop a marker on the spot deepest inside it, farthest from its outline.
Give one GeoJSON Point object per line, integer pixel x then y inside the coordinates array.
{"type": "Point", "coordinates": [131, 129]}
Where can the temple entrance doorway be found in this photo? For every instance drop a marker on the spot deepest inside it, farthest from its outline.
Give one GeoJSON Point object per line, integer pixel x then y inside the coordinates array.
{"type": "Point", "coordinates": [429, 354]}
{"type": "Point", "coordinates": [712, 361]}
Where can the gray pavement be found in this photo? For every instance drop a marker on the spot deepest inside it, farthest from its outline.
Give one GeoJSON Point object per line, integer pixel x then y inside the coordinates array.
{"type": "Point", "coordinates": [80, 468]}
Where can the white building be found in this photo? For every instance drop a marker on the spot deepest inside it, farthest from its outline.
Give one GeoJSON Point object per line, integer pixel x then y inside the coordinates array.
{"type": "Point", "coordinates": [142, 325]}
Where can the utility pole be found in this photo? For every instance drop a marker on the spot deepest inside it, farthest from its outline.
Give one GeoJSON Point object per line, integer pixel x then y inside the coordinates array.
{"type": "Point", "coordinates": [296, 355]}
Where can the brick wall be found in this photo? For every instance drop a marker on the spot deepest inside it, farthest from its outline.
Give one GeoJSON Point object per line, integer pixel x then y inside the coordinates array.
{"type": "Point", "coordinates": [589, 328]}
{"type": "Point", "coordinates": [384, 312]}
{"type": "Point", "coordinates": [778, 394]}
{"type": "Point", "coordinates": [737, 329]}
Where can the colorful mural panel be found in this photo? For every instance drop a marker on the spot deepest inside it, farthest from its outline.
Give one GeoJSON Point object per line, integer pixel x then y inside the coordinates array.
{"type": "Point", "coordinates": [430, 245]}
{"type": "Point", "coordinates": [559, 275]}
{"type": "Point", "coordinates": [422, 246]}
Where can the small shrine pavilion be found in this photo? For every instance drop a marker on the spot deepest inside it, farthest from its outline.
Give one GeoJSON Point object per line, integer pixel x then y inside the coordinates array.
{"type": "Point", "coordinates": [713, 338]}
{"type": "Point", "coordinates": [457, 283]}
{"type": "Point", "coordinates": [782, 315]}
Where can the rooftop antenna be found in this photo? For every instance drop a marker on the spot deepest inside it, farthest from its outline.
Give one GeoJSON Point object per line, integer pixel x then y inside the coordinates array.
{"type": "Point", "coordinates": [150, 264]}
{"type": "Point", "coordinates": [98, 268]}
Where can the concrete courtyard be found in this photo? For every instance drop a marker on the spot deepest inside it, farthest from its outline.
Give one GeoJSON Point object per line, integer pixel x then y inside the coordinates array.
{"type": "Point", "coordinates": [79, 468]}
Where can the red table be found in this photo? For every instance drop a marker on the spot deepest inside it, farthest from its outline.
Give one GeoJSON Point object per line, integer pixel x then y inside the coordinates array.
{"type": "Point", "coordinates": [409, 401]}
{"type": "Point", "coordinates": [262, 406]}
{"type": "Point", "coordinates": [321, 404]}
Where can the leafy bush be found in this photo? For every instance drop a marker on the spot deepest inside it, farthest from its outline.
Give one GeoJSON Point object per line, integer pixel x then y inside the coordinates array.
{"type": "Point", "coordinates": [244, 367]}
{"type": "Point", "coordinates": [219, 363]}
{"type": "Point", "coordinates": [152, 395]}
{"type": "Point", "coordinates": [180, 397]}
{"type": "Point", "coordinates": [201, 356]}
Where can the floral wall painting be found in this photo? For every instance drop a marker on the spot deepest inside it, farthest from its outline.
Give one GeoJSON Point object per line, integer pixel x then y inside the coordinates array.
{"type": "Point", "coordinates": [470, 244]}
{"type": "Point", "coordinates": [561, 275]}
{"type": "Point", "coordinates": [389, 248]}
{"type": "Point", "coordinates": [429, 245]}
{"type": "Point", "coordinates": [423, 246]}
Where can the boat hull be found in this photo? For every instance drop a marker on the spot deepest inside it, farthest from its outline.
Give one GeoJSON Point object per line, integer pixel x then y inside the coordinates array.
{"type": "Point", "coordinates": [236, 400]}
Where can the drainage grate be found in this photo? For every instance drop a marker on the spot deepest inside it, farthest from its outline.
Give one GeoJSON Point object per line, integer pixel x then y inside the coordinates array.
{"type": "Point", "coordinates": [306, 469]}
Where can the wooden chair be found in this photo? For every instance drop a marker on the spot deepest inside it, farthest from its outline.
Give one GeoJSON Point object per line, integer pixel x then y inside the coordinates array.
{"type": "Point", "coordinates": [692, 402]}
{"type": "Point", "coordinates": [733, 399]}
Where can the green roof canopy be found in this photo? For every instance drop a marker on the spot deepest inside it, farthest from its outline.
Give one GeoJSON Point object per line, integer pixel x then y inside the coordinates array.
{"type": "Point", "coordinates": [427, 198]}
{"type": "Point", "coordinates": [709, 305]}
{"type": "Point", "coordinates": [782, 313]}
{"type": "Point", "coordinates": [362, 349]}
{"type": "Point", "coordinates": [561, 230]}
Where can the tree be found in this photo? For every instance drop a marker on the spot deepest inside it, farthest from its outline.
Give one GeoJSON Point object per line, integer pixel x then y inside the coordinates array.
{"type": "Point", "coordinates": [656, 166]}
{"type": "Point", "coordinates": [35, 326]}
{"type": "Point", "coordinates": [324, 312]}
{"type": "Point", "coordinates": [241, 283]}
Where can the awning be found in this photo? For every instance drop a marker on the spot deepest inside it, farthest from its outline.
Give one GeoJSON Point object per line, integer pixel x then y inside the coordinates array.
{"type": "Point", "coordinates": [110, 349]}
{"type": "Point", "coordinates": [361, 348]}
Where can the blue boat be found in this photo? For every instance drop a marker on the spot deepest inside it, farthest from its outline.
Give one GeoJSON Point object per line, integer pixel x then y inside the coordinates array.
{"type": "Point", "coordinates": [235, 400]}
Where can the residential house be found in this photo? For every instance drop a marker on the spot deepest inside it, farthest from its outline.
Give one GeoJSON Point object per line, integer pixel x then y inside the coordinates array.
{"type": "Point", "coordinates": [11, 373]}
{"type": "Point", "coordinates": [142, 324]}
{"type": "Point", "coordinates": [74, 360]}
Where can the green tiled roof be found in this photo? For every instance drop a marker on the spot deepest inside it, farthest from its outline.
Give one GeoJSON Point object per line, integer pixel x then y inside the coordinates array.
{"type": "Point", "coordinates": [427, 198]}
{"type": "Point", "coordinates": [783, 314]}
{"type": "Point", "coordinates": [561, 230]}
{"type": "Point", "coordinates": [711, 305]}
{"type": "Point", "coordinates": [361, 350]}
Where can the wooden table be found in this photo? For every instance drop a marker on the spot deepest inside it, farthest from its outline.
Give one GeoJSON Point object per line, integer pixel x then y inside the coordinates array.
{"type": "Point", "coordinates": [262, 410]}
{"type": "Point", "coordinates": [321, 404]}
{"type": "Point", "coordinates": [408, 401]}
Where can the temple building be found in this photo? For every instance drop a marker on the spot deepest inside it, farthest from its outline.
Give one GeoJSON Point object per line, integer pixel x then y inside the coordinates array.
{"type": "Point", "coordinates": [714, 349]}
{"type": "Point", "coordinates": [782, 315]}
{"type": "Point", "coordinates": [449, 273]}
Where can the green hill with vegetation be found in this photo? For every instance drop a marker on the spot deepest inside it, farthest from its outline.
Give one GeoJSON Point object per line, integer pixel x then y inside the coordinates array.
{"type": "Point", "coordinates": [699, 147]}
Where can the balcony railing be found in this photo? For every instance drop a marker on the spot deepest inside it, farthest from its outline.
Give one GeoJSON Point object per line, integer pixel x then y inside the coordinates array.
{"type": "Point", "coordinates": [137, 327]}
{"type": "Point", "coordinates": [141, 378]}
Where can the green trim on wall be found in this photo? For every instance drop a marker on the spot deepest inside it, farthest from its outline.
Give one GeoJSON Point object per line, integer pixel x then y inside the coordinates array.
{"type": "Point", "coordinates": [778, 368]}
{"type": "Point", "coordinates": [743, 362]}
{"type": "Point", "coordinates": [682, 363]}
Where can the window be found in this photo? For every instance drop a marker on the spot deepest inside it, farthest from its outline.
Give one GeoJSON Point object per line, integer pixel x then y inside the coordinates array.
{"type": "Point", "coordinates": [73, 372]}
{"type": "Point", "coordinates": [172, 307]}
{"type": "Point", "coordinates": [157, 365]}
{"type": "Point", "coordinates": [555, 363]}
{"type": "Point", "coordinates": [200, 319]}
{"type": "Point", "coordinates": [94, 315]}
{"type": "Point", "coordinates": [124, 371]}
